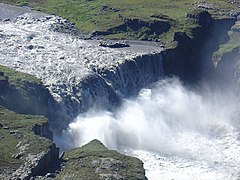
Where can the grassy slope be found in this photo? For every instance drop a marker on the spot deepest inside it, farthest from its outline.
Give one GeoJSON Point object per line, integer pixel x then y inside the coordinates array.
{"type": "Point", "coordinates": [89, 16]}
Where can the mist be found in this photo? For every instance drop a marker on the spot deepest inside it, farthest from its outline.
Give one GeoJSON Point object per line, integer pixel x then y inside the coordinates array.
{"type": "Point", "coordinates": [154, 117]}
{"type": "Point", "coordinates": [168, 120]}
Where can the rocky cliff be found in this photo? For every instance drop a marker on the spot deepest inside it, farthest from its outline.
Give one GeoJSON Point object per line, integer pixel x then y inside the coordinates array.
{"type": "Point", "coordinates": [23, 153]}
{"type": "Point", "coordinates": [192, 59]}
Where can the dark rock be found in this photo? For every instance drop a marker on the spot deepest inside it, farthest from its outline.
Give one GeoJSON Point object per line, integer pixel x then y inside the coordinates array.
{"type": "Point", "coordinates": [1, 125]}
{"type": "Point", "coordinates": [112, 44]}
{"type": "Point", "coordinates": [6, 20]}
{"type": "Point", "coordinates": [17, 156]}
{"type": "Point", "coordinates": [43, 130]}
{"type": "Point", "coordinates": [104, 7]}
{"type": "Point", "coordinates": [13, 132]}
{"type": "Point", "coordinates": [30, 47]}
{"type": "Point", "coordinates": [50, 175]}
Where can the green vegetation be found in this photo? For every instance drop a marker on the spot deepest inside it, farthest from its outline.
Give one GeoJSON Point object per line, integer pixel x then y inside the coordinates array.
{"type": "Point", "coordinates": [17, 140]}
{"type": "Point", "coordinates": [94, 159]}
{"type": "Point", "coordinates": [16, 77]}
{"type": "Point", "coordinates": [234, 42]}
{"type": "Point", "coordinates": [25, 84]}
{"type": "Point", "coordinates": [102, 15]}
{"type": "Point", "coordinates": [22, 3]}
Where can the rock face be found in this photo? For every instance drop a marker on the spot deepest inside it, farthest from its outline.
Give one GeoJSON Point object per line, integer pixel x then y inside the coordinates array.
{"type": "Point", "coordinates": [43, 131]}
{"type": "Point", "coordinates": [23, 153]}
{"type": "Point", "coordinates": [192, 60]}
{"type": "Point", "coordinates": [128, 78]}
{"type": "Point", "coordinates": [37, 165]}
{"type": "Point", "coordinates": [137, 27]}
{"type": "Point", "coordinates": [95, 161]}
{"type": "Point", "coordinates": [24, 96]}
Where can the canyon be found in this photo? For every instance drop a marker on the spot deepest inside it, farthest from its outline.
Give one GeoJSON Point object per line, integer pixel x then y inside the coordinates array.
{"type": "Point", "coordinates": [76, 76]}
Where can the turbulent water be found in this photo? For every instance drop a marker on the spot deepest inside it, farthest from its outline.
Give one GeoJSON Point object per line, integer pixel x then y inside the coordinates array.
{"type": "Point", "coordinates": [30, 43]}
{"type": "Point", "coordinates": [176, 132]}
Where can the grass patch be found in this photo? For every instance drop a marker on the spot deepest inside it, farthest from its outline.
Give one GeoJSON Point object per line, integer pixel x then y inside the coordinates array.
{"type": "Point", "coordinates": [16, 77]}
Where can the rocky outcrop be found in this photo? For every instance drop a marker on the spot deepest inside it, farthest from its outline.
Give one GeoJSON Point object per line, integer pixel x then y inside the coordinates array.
{"type": "Point", "coordinates": [43, 130]}
{"type": "Point", "coordinates": [95, 161]}
{"type": "Point", "coordinates": [23, 153]}
{"type": "Point", "coordinates": [37, 165]}
{"type": "Point", "coordinates": [138, 28]}
{"type": "Point", "coordinates": [191, 60]}
{"type": "Point", "coordinates": [25, 96]}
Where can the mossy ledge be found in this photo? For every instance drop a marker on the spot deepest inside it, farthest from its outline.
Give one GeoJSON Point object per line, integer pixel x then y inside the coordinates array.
{"type": "Point", "coordinates": [95, 161]}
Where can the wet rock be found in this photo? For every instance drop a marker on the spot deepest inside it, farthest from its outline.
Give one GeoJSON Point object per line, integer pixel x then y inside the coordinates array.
{"type": "Point", "coordinates": [30, 47]}
{"type": "Point", "coordinates": [6, 20]}
{"type": "Point", "coordinates": [50, 175]}
{"type": "Point", "coordinates": [112, 44]}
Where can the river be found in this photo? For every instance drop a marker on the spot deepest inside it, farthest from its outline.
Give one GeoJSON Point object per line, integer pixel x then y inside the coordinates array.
{"type": "Point", "coordinates": [178, 132]}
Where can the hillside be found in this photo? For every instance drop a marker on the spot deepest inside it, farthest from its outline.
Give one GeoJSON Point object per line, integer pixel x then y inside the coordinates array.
{"type": "Point", "coordinates": [144, 20]}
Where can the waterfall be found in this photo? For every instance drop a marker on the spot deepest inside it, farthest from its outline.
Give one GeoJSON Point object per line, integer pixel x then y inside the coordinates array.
{"type": "Point", "coordinates": [179, 133]}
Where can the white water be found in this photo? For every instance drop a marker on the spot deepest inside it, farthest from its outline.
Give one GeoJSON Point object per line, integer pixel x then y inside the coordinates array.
{"type": "Point", "coordinates": [177, 133]}
{"type": "Point", "coordinates": [60, 60]}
